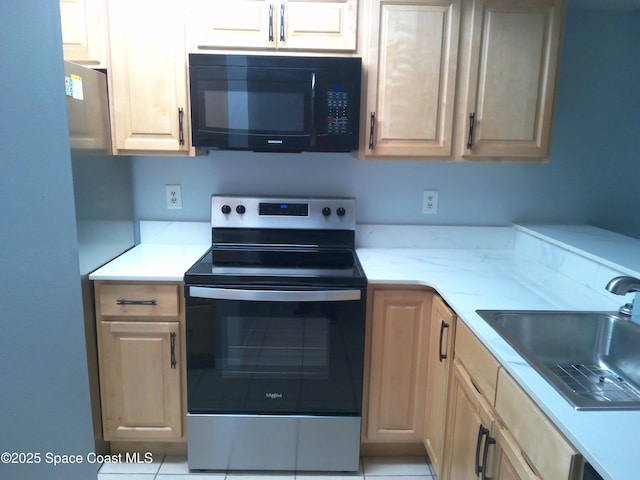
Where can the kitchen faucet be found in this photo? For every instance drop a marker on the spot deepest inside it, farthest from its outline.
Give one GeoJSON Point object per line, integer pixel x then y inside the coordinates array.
{"type": "Point", "coordinates": [622, 286]}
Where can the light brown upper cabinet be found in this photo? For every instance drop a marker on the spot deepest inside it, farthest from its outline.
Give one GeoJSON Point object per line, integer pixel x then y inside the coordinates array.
{"type": "Point", "coordinates": [272, 24]}
{"type": "Point", "coordinates": [460, 79]}
{"type": "Point", "coordinates": [84, 32]}
{"type": "Point", "coordinates": [411, 60]}
{"type": "Point", "coordinates": [508, 78]}
{"type": "Point", "coordinates": [148, 77]}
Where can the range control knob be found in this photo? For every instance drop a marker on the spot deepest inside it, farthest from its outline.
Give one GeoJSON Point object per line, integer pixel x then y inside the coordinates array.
{"type": "Point", "coordinates": [226, 209]}
{"type": "Point", "coordinates": [326, 211]}
{"type": "Point", "coordinates": [240, 209]}
{"type": "Point", "coordinates": [341, 212]}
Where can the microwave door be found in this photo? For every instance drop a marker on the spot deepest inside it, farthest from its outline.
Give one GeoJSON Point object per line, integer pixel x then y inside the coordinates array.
{"type": "Point", "coordinates": [260, 109]}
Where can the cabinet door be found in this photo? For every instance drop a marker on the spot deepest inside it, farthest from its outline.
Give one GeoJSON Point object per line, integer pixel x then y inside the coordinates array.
{"type": "Point", "coordinates": [236, 24]}
{"type": "Point", "coordinates": [259, 24]}
{"type": "Point", "coordinates": [411, 67]}
{"type": "Point", "coordinates": [398, 363]}
{"type": "Point", "coordinates": [470, 421]}
{"type": "Point", "coordinates": [84, 32]}
{"type": "Point", "coordinates": [511, 74]}
{"type": "Point", "coordinates": [439, 366]}
{"type": "Point", "coordinates": [510, 462]}
{"type": "Point", "coordinates": [148, 77]}
{"type": "Point", "coordinates": [140, 380]}
{"type": "Point", "coordinates": [313, 25]}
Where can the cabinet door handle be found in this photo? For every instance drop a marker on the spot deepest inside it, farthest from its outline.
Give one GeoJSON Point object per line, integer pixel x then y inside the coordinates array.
{"type": "Point", "coordinates": [442, 356]}
{"type": "Point", "coordinates": [271, 22]}
{"type": "Point", "coordinates": [371, 127]}
{"type": "Point", "coordinates": [123, 301]}
{"type": "Point", "coordinates": [181, 124]}
{"type": "Point", "coordinates": [489, 441]}
{"type": "Point", "coordinates": [172, 339]}
{"type": "Point", "coordinates": [482, 431]}
{"type": "Point", "coordinates": [472, 121]}
{"type": "Point", "coordinates": [282, 22]}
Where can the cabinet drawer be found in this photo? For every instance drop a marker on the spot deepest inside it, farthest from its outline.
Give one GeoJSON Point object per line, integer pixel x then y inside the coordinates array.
{"type": "Point", "coordinates": [481, 365]}
{"type": "Point", "coordinates": [137, 300]}
{"type": "Point", "coordinates": [546, 448]}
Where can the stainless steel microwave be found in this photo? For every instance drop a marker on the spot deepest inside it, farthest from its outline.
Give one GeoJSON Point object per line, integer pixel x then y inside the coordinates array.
{"type": "Point", "coordinates": [275, 103]}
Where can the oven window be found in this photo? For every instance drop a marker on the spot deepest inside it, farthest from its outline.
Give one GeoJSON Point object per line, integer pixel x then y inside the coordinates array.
{"type": "Point", "coordinates": [283, 347]}
{"type": "Point", "coordinates": [282, 357]}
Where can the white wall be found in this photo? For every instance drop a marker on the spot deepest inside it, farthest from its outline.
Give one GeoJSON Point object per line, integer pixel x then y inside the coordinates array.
{"type": "Point", "coordinates": [566, 190]}
{"type": "Point", "coordinates": [44, 398]}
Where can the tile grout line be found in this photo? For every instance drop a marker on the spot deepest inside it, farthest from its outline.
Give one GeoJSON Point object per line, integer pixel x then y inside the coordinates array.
{"type": "Point", "coordinates": [294, 475]}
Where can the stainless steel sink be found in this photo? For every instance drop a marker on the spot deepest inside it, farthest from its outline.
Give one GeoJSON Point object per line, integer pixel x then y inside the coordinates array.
{"type": "Point", "coordinates": [591, 358]}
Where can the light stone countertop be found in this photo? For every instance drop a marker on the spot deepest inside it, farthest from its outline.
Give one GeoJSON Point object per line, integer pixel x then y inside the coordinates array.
{"type": "Point", "coordinates": [521, 268]}
{"type": "Point", "coordinates": [166, 252]}
{"type": "Point", "coordinates": [505, 268]}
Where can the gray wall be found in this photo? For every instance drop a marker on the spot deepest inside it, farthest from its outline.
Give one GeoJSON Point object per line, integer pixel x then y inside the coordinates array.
{"type": "Point", "coordinates": [44, 399]}
{"type": "Point", "coordinates": [592, 177]}
{"type": "Point", "coordinates": [602, 105]}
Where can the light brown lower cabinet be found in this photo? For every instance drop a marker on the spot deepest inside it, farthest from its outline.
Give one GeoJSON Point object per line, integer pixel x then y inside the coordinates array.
{"type": "Point", "coordinates": [471, 420]}
{"type": "Point", "coordinates": [397, 344]}
{"type": "Point", "coordinates": [442, 326]}
{"type": "Point", "coordinates": [141, 360]}
{"type": "Point", "coordinates": [470, 447]}
{"type": "Point", "coordinates": [494, 430]}
{"type": "Point", "coordinates": [141, 381]}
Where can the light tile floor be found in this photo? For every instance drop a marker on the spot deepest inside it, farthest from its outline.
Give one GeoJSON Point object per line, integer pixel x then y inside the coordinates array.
{"type": "Point", "coordinates": [176, 468]}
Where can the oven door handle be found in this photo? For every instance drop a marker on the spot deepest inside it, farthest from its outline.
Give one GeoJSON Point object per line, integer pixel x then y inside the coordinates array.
{"type": "Point", "coordinates": [275, 295]}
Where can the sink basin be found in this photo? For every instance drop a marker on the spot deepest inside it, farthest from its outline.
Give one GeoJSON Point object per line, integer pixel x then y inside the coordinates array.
{"type": "Point", "coordinates": [591, 358]}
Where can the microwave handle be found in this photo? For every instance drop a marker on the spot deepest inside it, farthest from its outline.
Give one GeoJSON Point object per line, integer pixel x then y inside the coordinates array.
{"type": "Point", "coordinates": [275, 295]}
{"type": "Point", "coordinates": [313, 109]}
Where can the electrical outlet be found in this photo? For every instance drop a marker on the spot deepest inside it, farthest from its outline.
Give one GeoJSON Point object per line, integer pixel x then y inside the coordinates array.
{"type": "Point", "coordinates": [173, 196]}
{"type": "Point", "coordinates": [430, 202]}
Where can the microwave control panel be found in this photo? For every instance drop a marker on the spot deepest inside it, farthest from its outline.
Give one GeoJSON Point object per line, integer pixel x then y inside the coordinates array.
{"type": "Point", "coordinates": [337, 118]}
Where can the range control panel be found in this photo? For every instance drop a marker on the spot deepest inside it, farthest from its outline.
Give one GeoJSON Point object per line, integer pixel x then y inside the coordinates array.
{"type": "Point", "coordinates": [332, 213]}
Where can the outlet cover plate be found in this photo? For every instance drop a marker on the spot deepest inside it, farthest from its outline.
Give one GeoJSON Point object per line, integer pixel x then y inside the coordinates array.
{"type": "Point", "coordinates": [430, 202]}
{"type": "Point", "coordinates": [173, 197]}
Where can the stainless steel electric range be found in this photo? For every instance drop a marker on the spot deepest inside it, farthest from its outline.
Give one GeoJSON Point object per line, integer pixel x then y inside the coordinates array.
{"type": "Point", "coordinates": [275, 315]}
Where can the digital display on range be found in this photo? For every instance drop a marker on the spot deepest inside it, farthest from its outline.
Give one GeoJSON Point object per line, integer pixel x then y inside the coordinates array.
{"type": "Point", "coordinates": [285, 209]}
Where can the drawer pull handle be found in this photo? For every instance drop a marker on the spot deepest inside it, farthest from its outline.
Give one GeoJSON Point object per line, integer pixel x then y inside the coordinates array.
{"type": "Point", "coordinates": [122, 301]}
{"type": "Point", "coordinates": [442, 356]}
{"type": "Point", "coordinates": [172, 339]}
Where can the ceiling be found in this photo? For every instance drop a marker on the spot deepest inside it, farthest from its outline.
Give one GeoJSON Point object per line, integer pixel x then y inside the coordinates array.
{"type": "Point", "coordinates": [619, 5]}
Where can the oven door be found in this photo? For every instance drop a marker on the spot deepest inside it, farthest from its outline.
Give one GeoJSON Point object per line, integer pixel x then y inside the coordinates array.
{"type": "Point", "coordinates": [275, 351]}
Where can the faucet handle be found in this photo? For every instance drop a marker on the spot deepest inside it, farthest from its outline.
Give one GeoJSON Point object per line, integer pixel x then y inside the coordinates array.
{"type": "Point", "coordinates": [626, 309]}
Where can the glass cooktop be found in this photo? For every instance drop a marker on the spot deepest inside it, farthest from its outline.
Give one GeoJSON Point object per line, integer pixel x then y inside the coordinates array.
{"type": "Point", "coordinates": [260, 264]}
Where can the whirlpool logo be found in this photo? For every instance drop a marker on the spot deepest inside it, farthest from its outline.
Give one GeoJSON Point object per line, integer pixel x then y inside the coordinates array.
{"type": "Point", "coordinates": [273, 395]}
